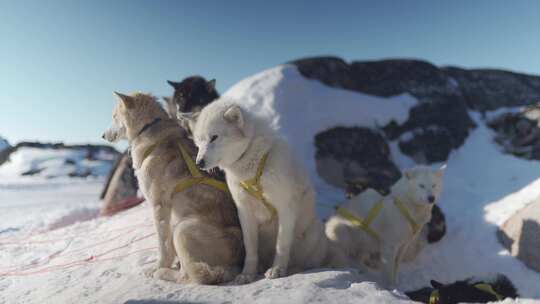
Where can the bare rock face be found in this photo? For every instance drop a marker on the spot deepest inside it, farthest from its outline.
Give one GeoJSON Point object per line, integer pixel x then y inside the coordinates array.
{"type": "Point", "coordinates": [440, 122]}
{"type": "Point", "coordinates": [436, 126]}
{"type": "Point", "coordinates": [518, 133]}
{"type": "Point", "coordinates": [356, 155]}
{"type": "Point", "coordinates": [521, 235]}
{"type": "Point", "coordinates": [488, 89]}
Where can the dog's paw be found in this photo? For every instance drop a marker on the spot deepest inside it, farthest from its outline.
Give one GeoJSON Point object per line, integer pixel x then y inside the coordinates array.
{"type": "Point", "coordinates": [275, 272]}
{"type": "Point", "coordinates": [244, 278]}
{"type": "Point", "coordinates": [149, 272]}
{"type": "Point", "coordinates": [167, 274]}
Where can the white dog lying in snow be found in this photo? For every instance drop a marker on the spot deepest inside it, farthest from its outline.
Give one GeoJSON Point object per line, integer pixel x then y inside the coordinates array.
{"type": "Point", "coordinates": [372, 229]}
{"type": "Point", "coordinates": [273, 193]}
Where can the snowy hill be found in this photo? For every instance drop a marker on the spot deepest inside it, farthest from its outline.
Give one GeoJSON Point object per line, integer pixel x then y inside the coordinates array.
{"type": "Point", "coordinates": [102, 260]}
{"type": "Point", "coordinates": [57, 160]}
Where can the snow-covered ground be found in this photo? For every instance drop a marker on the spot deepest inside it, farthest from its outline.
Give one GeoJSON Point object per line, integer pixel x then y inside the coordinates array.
{"type": "Point", "coordinates": [102, 260]}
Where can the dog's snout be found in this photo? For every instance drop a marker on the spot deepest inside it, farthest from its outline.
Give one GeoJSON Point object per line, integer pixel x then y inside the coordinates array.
{"type": "Point", "coordinates": [200, 163]}
{"type": "Point", "coordinates": [103, 135]}
{"type": "Point", "coordinates": [431, 199]}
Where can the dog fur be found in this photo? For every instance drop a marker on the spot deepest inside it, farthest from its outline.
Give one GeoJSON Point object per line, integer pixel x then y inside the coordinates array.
{"type": "Point", "coordinates": [199, 226]}
{"type": "Point", "coordinates": [191, 94]}
{"type": "Point", "coordinates": [418, 189]}
{"type": "Point", "coordinates": [235, 140]}
{"type": "Point", "coordinates": [465, 292]}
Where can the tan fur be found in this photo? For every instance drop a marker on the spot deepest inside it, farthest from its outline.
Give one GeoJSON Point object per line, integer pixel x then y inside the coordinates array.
{"type": "Point", "coordinates": [198, 226]}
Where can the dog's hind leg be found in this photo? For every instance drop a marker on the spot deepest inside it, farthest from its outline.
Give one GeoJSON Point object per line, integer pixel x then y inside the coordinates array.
{"type": "Point", "coordinates": [208, 254]}
{"type": "Point", "coordinates": [388, 253]}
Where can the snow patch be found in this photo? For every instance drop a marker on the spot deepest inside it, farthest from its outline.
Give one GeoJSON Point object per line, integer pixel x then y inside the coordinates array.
{"type": "Point", "coordinates": [49, 163]}
{"type": "Point", "coordinates": [299, 108]}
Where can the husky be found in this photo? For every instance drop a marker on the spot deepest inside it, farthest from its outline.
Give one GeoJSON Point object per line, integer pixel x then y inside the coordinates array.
{"type": "Point", "coordinates": [375, 231]}
{"type": "Point", "coordinates": [472, 290]}
{"type": "Point", "coordinates": [191, 94]}
{"type": "Point", "coordinates": [195, 218]}
{"type": "Point", "coordinates": [271, 189]}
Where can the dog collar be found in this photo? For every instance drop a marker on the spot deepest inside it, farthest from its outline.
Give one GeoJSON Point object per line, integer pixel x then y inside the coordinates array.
{"type": "Point", "coordinates": [148, 126]}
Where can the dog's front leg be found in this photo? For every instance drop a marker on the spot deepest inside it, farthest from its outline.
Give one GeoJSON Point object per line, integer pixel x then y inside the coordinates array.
{"type": "Point", "coordinates": [162, 221]}
{"type": "Point", "coordinates": [286, 222]}
{"type": "Point", "coordinates": [389, 254]}
{"type": "Point", "coordinates": [250, 233]}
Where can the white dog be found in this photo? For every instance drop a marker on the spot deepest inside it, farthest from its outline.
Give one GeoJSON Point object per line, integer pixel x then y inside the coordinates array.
{"type": "Point", "coordinates": [273, 194]}
{"type": "Point", "coordinates": [372, 229]}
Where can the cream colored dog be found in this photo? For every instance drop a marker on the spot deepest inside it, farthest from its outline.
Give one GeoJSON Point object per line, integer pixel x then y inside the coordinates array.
{"type": "Point", "coordinates": [196, 222]}
{"type": "Point", "coordinates": [281, 231]}
{"type": "Point", "coordinates": [372, 229]}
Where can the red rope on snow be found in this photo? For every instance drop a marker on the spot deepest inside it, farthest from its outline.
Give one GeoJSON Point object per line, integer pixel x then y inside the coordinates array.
{"type": "Point", "coordinates": [81, 262]}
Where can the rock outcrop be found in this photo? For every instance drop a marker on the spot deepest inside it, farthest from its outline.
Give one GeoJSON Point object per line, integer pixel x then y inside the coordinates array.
{"type": "Point", "coordinates": [520, 235]}
{"type": "Point", "coordinates": [518, 133]}
{"type": "Point", "coordinates": [440, 122]}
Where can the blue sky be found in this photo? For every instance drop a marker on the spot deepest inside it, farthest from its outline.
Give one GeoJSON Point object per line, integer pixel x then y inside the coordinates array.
{"type": "Point", "coordinates": [60, 60]}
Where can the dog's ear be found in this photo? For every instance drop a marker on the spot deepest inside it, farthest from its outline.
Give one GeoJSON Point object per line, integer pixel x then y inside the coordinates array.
{"type": "Point", "coordinates": [440, 171]}
{"type": "Point", "coordinates": [234, 115]}
{"type": "Point", "coordinates": [436, 285]}
{"type": "Point", "coordinates": [211, 85]}
{"type": "Point", "coordinates": [126, 100]}
{"type": "Point", "coordinates": [174, 84]}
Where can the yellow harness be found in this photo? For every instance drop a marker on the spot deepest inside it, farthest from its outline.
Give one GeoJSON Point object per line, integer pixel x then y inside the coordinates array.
{"type": "Point", "coordinates": [434, 298]}
{"type": "Point", "coordinates": [372, 214]}
{"type": "Point", "coordinates": [196, 178]}
{"type": "Point", "coordinates": [253, 186]}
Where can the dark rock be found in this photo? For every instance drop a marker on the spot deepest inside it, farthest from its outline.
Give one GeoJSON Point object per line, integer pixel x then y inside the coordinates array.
{"type": "Point", "coordinates": [32, 172]}
{"type": "Point", "coordinates": [353, 155]}
{"type": "Point", "coordinates": [488, 89]}
{"type": "Point", "coordinates": [518, 133]}
{"type": "Point", "coordinates": [440, 117]}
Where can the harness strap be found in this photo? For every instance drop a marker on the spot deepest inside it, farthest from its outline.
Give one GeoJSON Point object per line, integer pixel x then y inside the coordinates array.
{"type": "Point", "coordinates": [372, 214]}
{"type": "Point", "coordinates": [196, 176]}
{"type": "Point", "coordinates": [489, 289]}
{"type": "Point", "coordinates": [363, 223]}
{"type": "Point", "coordinates": [253, 186]}
{"type": "Point", "coordinates": [403, 210]}
{"type": "Point", "coordinates": [434, 297]}
{"type": "Point", "coordinates": [152, 147]}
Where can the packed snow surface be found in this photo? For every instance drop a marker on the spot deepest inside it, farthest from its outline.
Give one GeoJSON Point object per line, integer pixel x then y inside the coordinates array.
{"type": "Point", "coordinates": [102, 260]}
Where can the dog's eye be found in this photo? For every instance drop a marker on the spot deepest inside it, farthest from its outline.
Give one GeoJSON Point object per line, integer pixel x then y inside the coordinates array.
{"type": "Point", "coordinates": [214, 137]}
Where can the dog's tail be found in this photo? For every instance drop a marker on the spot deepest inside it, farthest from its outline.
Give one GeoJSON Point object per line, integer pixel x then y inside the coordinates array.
{"type": "Point", "coordinates": [202, 273]}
